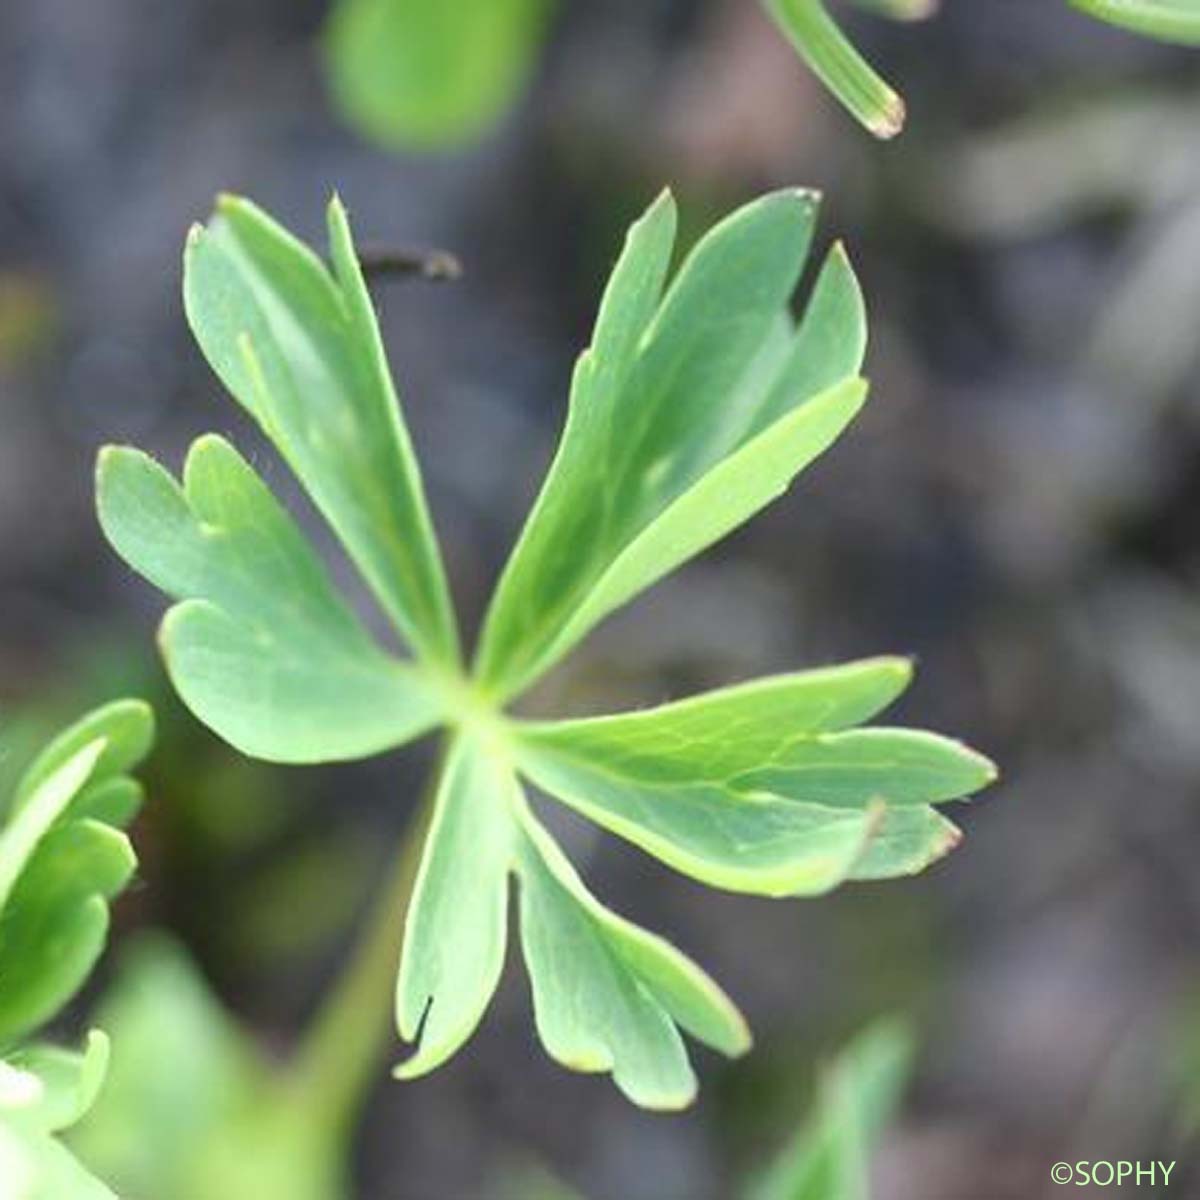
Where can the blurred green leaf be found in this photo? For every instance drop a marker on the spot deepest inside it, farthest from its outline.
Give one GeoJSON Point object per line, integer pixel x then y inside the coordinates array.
{"type": "Point", "coordinates": [821, 43]}
{"type": "Point", "coordinates": [126, 728]}
{"type": "Point", "coordinates": [59, 864]}
{"type": "Point", "coordinates": [529, 1181]}
{"type": "Point", "coordinates": [65, 1083]}
{"type": "Point", "coordinates": [190, 1111]}
{"type": "Point", "coordinates": [901, 10]}
{"type": "Point", "coordinates": [830, 1157]}
{"type": "Point", "coordinates": [36, 1166]}
{"type": "Point", "coordinates": [1175, 21]}
{"type": "Point", "coordinates": [423, 74]}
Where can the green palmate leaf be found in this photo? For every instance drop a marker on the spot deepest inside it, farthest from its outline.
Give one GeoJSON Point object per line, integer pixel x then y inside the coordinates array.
{"type": "Point", "coordinates": [456, 926]}
{"type": "Point", "coordinates": [1167, 20]}
{"type": "Point", "coordinates": [262, 648]}
{"type": "Point", "coordinates": [830, 1157]}
{"type": "Point", "coordinates": [418, 73]}
{"type": "Point", "coordinates": [609, 996]}
{"type": "Point", "coordinates": [816, 36]}
{"type": "Point", "coordinates": [688, 414]}
{"type": "Point", "coordinates": [299, 348]}
{"type": "Point", "coordinates": [696, 404]}
{"type": "Point", "coordinates": [753, 788]}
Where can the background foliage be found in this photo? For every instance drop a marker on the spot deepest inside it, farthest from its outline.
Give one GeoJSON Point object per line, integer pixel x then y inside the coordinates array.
{"type": "Point", "coordinates": [1016, 508]}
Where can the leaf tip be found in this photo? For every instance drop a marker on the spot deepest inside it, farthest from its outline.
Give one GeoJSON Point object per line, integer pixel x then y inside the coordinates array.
{"type": "Point", "coordinates": [336, 213]}
{"type": "Point", "coordinates": [989, 770]}
{"type": "Point", "coordinates": [742, 1041]}
{"type": "Point", "coordinates": [807, 195]}
{"type": "Point", "coordinates": [888, 120]}
{"type": "Point", "coordinates": [229, 202]}
{"type": "Point", "coordinates": [107, 457]}
{"type": "Point", "coordinates": [665, 1101]}
{"type": "Point", "coordinates": [206, 446]}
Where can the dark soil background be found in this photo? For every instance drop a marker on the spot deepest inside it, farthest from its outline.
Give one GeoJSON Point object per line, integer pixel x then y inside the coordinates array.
{"type": "Point", "coordinates": [1018, 508]}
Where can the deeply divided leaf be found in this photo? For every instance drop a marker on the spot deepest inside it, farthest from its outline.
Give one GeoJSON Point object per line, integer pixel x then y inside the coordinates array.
{"type": "Point", "coordinates": [697, 403]}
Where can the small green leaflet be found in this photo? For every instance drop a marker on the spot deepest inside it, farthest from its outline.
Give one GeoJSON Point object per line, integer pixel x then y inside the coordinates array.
{"type": "Point", "coordinates": [62, 857]}
{"type": "Point", "coordinates": [698, 402]}
{"type": "Point", "coordinates": [1175, 21]}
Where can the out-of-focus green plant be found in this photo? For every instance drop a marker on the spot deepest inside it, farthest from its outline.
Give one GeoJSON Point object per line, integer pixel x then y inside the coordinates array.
{"type": "Point", "coordinates": [415, 73]}
{"type": "Point", "coordinates": [695, 406]}
{"type": "Point", "coordinates": [420, 74]}
{"type": "Point", "coordinates": [424, 74]}
{"type": "Point", "coordinates": [1175, 21]}
{"type": "Point", "coordinates": [819, 40]}
{"type": "Point", "coordinates": [830, 1156]}
{"type": "Point", "coordinates": [191, 1110]}
{"type": "Point", "coordinates": [63, 856]}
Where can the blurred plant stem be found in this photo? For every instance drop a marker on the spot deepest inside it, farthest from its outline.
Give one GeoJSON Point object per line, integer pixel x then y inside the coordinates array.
{"type": "Point", "coordinates": [339, 1056]}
